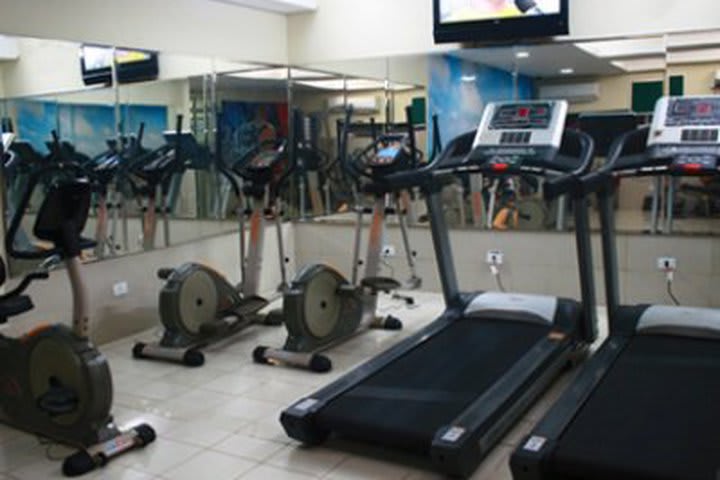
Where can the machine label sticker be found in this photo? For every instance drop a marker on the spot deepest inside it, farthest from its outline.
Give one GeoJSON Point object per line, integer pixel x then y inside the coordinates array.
{"type": "Point", "coordinates": [306, 404]}
{"type": "Point", "coordinates": [453, 435]}
{"type": "Point", "coordinates": [535, 444]}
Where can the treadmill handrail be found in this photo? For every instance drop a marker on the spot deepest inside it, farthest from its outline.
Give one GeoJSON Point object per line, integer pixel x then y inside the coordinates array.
{"type": "Point", "coordinates": [602, 177]}
{"type": "Point", "coordinates": [571, 182]}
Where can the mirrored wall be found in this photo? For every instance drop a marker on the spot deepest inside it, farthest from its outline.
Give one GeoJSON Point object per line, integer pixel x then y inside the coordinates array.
{"type": "Point", "coordinates": [166, 152]}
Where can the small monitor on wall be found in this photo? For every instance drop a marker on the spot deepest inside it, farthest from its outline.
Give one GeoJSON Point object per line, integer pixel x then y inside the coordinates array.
{"type": "Point", "coordinates": [499, 20]}
{"type": "Point", "coordinates": [132, 65]}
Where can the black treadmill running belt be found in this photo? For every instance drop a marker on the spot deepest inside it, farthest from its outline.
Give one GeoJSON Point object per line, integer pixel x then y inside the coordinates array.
{"type": "Point", "coordinates": [655, 415]}
{"type": "Point", "coordinates": [405, 403]}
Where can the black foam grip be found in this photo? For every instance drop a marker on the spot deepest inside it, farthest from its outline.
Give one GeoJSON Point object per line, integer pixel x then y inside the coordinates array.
{"type": "Point", "coordinates": [145, 433]}
{"type": "Point", "coordinates": [194, 358]}
{"type": "Point", "coordinates": [320, 364]}
{"type": "Point", "coordinates": [138, 349]}
{"type": "Point", "coordinates": [392, 323]}
{"type": "Point", "coordinates": [164, 273]}
{"type": "Point", "coordinates": [259, 355]}
{"type": "Point", "coordinates": [79, 463]}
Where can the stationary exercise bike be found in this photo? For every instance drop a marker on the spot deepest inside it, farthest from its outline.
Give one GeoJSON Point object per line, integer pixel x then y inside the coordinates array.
{"type": "Point", "coordinates": [198, 305]}
{"type": "Point", "coordinates": [322, 308]}
{"type": "Point", "coordinates": [53, 382]}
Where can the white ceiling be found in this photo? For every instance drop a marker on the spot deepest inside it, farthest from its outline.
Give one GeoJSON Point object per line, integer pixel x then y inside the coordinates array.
{"type": "Point", "coordinates": [545, 61]}
{"type": "Point", "coordinates": [279, 6]}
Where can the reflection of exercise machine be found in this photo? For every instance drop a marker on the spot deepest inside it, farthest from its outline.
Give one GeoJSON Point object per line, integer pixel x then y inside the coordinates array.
{"type": "Point", "coordinates": [322, 308]}
{"type": "Point", "coordinates": [452, 390]}
{"type": "Point", "coordinates": [55, 383]}
{"type": "Point", "coordinates": [645, 405]}
{"type": "Point", "coordinates": [197, 301]}
{"type": "Point", "coordinates": [109, 172]}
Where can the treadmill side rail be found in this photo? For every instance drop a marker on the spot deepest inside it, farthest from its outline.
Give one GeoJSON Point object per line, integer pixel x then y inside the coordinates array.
{"type": "Point", "coordinates": [528, 460]}
{"type": "Point", "coordinates": [460, 447]}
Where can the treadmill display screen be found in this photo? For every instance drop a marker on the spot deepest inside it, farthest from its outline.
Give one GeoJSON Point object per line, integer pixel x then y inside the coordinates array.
{"type": "Point", "coordinates": [693, 112]}
{"type": "Point", "coordinates": [531, 116]}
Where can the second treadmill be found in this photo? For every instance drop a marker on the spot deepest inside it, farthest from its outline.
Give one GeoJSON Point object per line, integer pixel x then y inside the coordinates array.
{"type": "Point", "coordinates": [645, 407]}
{"type": "Point", "coordinates": [451, 391]}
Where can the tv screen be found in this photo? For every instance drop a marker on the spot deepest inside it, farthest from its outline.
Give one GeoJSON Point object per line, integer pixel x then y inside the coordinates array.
{"type": "Point", "coordinates": [132, 65]}
{"type": "Point", "coordinates": [499, 20]}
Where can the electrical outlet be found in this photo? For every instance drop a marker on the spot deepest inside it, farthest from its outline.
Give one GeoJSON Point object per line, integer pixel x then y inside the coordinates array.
{"type": "Point", "coordinates": [494, 257]}
{"type": "Point", "coordinates": [120, 289]}
{"type": "Point", "coordinates": [667, 264]}
{"type": "Point", "coordinates": [389, 251]}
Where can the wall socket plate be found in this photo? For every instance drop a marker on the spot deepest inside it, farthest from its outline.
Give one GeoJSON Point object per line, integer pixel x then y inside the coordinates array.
{"type": "Point", "coordinates": [666, 264]}
{"type": "Point", "coordinates": [494, 257]}
{"type": "Point", "coordinates": [120, 289]}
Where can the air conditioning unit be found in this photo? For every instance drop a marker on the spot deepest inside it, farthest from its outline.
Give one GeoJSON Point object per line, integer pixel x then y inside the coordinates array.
{"type": "Point", "coordinates": [572, 92]}
{"type": "Point", "coordinates": [361, 105]}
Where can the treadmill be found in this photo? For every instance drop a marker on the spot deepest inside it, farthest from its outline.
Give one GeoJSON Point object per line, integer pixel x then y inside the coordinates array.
{"type": "Point", "coordinates": [451, 391]}
{"type": "Point", "coordinates": [646, 406]}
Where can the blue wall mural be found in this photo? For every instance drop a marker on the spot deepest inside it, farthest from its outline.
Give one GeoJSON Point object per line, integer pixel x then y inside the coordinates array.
{"type": "Point", "coordinates": [244, 124]}
{"type": "Point", "coordinates": [84, 125]}
{"type": "Point", "coordinates": [459, 90]}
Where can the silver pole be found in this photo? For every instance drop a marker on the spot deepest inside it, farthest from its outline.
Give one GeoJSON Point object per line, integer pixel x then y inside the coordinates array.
{"type": "Point", "coordinates": [281, 245]}
{"type": "Point", "coordinates": [655, 211]}
{"type": "Point", "coordinates": [80, 320]}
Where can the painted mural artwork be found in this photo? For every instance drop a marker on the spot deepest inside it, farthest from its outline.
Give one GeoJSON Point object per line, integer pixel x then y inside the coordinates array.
{"type": "Point", "coordinates": [246, 125]}
{"type": "Point", "coordinates": [459, 91]}
{"type": "Point", "coordinates": [87, 127]}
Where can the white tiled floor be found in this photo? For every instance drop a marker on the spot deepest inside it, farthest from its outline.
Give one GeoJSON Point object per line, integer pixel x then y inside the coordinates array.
{"type": "Point", "coordinates": [220, 421]}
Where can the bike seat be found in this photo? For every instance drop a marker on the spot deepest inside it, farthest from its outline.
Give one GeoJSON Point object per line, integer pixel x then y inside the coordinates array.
{"type": "Point", "coordinates": [12, 306]}
{"type": "Point", "coordinates": [380, 284]}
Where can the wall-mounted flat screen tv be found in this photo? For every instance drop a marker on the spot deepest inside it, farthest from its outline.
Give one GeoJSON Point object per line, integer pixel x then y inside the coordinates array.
{"type": "Point", "coordinates": [132, 65]}
{"type": "Point", "coordinates": [499, 20]}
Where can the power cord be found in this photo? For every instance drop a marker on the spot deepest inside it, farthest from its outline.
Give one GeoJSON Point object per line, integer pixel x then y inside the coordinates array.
{"type": "Point", "coordinates": [669, 277]}
{"type": "Point", "coordinates": [495, 270]}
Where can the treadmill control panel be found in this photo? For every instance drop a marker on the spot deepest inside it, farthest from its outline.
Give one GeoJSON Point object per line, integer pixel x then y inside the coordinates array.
{"type": "Point", "coordinates": [686, 130]}
{"type": "Point", "coordinates": [511, 132]}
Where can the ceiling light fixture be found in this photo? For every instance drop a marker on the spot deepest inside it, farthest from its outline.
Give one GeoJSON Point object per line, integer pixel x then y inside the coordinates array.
{"type": "Point", "coordinates": [567, 71]}
{"type": "Point", "coordinates": [522, 54]}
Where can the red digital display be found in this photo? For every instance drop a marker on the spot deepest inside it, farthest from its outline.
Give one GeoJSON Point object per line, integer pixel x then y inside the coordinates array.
{"type": "Point", "coordinates": [523, 112]}
{"type": "Point", "coordinates": [703, 109]}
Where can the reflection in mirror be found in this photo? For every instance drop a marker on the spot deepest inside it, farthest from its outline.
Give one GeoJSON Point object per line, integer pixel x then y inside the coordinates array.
{"type": "Point", "coordinates": [154, 187]}
{"type": "Point", "coordinates": [691, 205]}
{"type": "Point", "coordinates": [379, 105]}
{"type": "Point", "coordinates": [605, 84]}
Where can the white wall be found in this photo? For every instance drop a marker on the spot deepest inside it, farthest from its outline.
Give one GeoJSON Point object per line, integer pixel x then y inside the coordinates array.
{"type": "Point", "coordinates": [181, 26]}
{"type": "Point", "coordinates": [377, 28]}
{"type": "Point", "coordinates": [53, 66]}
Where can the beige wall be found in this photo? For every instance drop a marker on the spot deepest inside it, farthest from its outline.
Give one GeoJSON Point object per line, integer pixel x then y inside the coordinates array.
{"type": "Point", "coordinates": [542, 263]}
{"type": "Point", "coordinates": [182, 26]}
{"type": "Point", "coordinates": [698, 78]}
{"type": "Point", "coordinates": [616, 90]}
{"type": "Point", "coordinates": [114, 317]}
